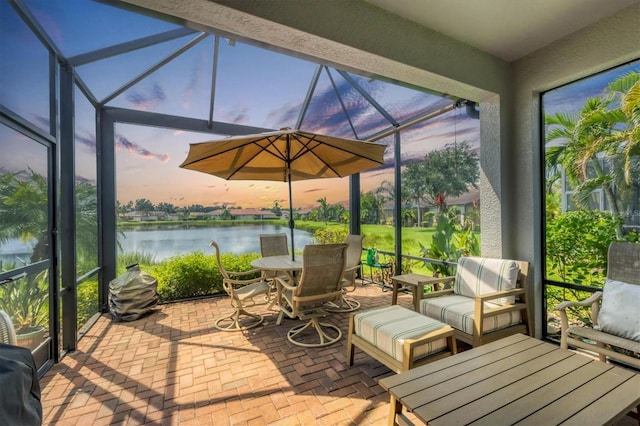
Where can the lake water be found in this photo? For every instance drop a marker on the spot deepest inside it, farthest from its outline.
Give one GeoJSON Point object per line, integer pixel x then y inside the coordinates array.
{"type": "Point", "coordinates": [165, 242]}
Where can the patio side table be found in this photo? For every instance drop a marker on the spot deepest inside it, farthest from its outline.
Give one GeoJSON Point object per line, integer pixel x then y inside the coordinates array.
{"type": "Point", "coordinates": [416, 283]}
{"type": "Point", "coordinates": [385, 273]}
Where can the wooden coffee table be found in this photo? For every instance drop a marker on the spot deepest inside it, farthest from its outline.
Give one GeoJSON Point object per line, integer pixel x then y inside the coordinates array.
{"type": "Point", "coordinates": [517, 379]}
{"type": "Point", "coordinates": [416, 282]}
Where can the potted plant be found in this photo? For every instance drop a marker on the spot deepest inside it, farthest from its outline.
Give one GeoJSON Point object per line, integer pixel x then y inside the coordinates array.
{"type": "Point", "coordinates": [26, 301]}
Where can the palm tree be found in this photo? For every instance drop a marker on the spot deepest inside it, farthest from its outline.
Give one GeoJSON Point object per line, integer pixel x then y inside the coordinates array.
{"type": "Point", "coordinates": [605, 131]}
{"type": "Point", "coordinates": [24, 210]}
{"type": "Point", "coordinates": [324, 209]}
{"type": "Point", "coordinates": [624, 120]}
{"type": "Point", "coordinates": [24, 214]}
{"type": "Point", "coordinates": [577, 143]}
{"type": "Point", "coordinates": [408, 216]}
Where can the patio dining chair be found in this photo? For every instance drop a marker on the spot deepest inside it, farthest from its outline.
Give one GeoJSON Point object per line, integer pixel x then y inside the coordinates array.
{"type": "Point", "coordinates": [352, 266]}
{"type": "Point", "coordinates": [273, 245]}
{"type": "Point", "coordinates": [320, 282]}
{"type": "Point", "coordinates": [7, 332]}
{"type": "Point", "coordinates": [242, 291]}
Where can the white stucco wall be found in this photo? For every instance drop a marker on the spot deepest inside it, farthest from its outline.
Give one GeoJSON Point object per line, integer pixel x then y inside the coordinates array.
{"type": "Point", "coordinates": [606, 44]}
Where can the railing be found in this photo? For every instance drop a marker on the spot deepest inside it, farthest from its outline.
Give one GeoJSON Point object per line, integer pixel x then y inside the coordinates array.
{"type": "Point", "coordinates": [387, 270]}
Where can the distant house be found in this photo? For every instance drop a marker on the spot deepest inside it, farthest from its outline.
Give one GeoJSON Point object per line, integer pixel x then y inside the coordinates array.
{"type": "Point", "coordinates": [213, 214]}
{"type": "Point", "coordinates": [198, 215]}
{"type": "Point", "coordinates": [465, 202]}
{"type": "Point", "coordinates": [141, 216]}
{"type": "Point", "coordinates": [250, 214]}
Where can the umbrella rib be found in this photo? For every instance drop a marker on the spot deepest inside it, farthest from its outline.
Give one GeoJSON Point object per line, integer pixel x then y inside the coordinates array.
{"type": "Point", "coordinates": [339, 148]}
{"type": "Point", "coordinates": [262, 148]}
{"type": "Point", "coordinates": [307, 149]}
{"type": "Point", "coordinates": [206, 157]}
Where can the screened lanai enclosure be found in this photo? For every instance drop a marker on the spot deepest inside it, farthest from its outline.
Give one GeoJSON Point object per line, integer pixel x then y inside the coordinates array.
{"type": "Point", "coordinates": [100, 101]}
{"type": "Point", "coordinates": [98, 113]}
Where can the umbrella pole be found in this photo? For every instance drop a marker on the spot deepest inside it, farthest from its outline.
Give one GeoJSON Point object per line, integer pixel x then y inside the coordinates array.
{"type": "Point", "coordinates": [291, 223]}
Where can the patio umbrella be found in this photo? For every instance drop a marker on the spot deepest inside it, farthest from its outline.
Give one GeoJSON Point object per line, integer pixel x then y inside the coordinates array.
{"type": "Point", "coordinates": [286, 156]}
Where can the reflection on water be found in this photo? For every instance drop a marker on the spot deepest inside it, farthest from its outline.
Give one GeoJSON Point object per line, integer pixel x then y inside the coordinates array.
{"type": "Point", "coordinates": [167, 242]}
{"type": "Point", "coordinates": [163, 242]}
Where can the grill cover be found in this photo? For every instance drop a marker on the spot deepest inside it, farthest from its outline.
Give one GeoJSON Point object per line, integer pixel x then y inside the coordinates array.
{"type": "Point", "coordinates": [20, 390]}
{"type": "Point", "coordinates": [132, 294]}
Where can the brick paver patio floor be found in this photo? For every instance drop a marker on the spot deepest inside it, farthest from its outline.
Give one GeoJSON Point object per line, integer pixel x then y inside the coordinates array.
{"type": "Point", "coordinates": [174, 368]}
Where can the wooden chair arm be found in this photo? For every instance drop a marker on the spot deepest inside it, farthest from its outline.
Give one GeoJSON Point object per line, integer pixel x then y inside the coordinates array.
{"type": "Point", "coordinates": [595, 297]}
{"type": "Point", "coordinates": [564, 319]}
{"type": "Point", "coordinates": [500, 294]}
{"type": "Point", "coordinates": [486, 313]}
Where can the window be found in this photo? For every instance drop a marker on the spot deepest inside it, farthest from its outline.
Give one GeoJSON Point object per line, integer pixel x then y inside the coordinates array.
{"type": "Point", "coordinates": [592, 181]}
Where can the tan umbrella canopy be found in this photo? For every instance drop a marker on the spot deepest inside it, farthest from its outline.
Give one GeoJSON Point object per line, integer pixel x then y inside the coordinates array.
{"type": "Point", "coordinates": [285, 155]}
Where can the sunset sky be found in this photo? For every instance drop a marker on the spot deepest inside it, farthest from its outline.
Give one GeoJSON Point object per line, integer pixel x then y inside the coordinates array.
{"type": "Point", "coordinates": [254, 87]}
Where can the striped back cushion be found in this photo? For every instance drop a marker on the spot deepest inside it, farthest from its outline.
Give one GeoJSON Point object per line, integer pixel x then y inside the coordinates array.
{"type": "Point", "coordinates": [476, 276]}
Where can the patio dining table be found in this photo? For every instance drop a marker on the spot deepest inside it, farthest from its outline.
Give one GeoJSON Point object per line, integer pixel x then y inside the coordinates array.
{"type": "Point", "coordinates": [517, 379]}
{"type": "Point", "coordinates": [281, 264]}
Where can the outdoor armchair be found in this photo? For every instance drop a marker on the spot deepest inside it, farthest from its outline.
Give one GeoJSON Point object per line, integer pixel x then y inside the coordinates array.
{"type": "Point", "coordinates": [487, 300]}
{"type": "Point", "coordinates": [320, 282]}
{"type": "Point", "coordinates": [242, 291]}
{"type": "Point", "coordinates": [615, 311]}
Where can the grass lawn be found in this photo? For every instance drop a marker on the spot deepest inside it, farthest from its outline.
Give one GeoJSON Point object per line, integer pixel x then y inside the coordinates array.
{"type": "Point", "coordinates": [382, 237]}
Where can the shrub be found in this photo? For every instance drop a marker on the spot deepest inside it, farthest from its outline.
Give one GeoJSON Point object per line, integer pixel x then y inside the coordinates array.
{"type": "Point", "coordinates": [87, 300]}
{"type": "Point", "coordinates": [186, 276]}
{"type": "Point", "coordinates": [195, 274]}
{"type": "Point", "coordinates": [576, 252]}
{"type": "Point", "coordinates": [139, 257]}
{"type": "Point", "coordinates": [427, 219]}
{"type": "Point", "coordinates": [449, 242]}
{"type": "Point", "coordinates": [577, 244]}
{"type": "Point", "coordinates": [330, 235]}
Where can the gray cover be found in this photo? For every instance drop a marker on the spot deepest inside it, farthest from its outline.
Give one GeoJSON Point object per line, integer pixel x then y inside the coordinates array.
{"type": "Point", "coordinates": [19, 387]}
{"type": "Point", "coordinates": [132, 294]}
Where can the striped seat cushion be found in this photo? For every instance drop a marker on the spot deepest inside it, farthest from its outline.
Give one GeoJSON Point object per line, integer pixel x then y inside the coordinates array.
{"type": "Point", "coordinates": [389, 327]}
{"type": "Point", "coordinates": [457, 311]}
{"type": "Point", "coordinates": [476, 276]}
